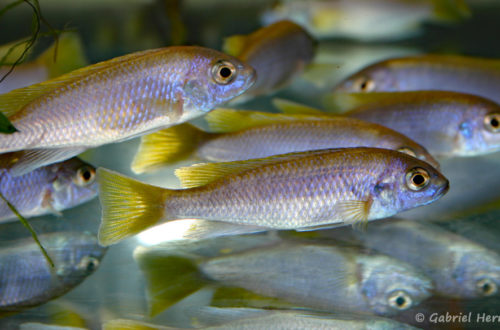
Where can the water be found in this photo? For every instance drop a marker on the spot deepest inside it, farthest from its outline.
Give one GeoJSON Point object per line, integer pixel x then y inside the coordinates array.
{"type": "Point", "coordinates": [112, 28]}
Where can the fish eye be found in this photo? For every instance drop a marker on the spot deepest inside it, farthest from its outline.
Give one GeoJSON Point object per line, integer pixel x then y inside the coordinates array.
{"type": "Point", "coordinates": [89, 264]}
{"type": "Point", "coordinates": [223, 72]}
{"type": "Point", "coordinates": [400, 300]}
{"type": "Point", "coordinates": [408, 151]}
{"type": "Point", "coordinates": [492, 122]}
{"type": "Point", "coordinates": [85, 175]}
{"type": "Point", "coordinates": [486, 287]}
{"type": "Point", "coordinates": [364, 84]}
{"type": "Point", "coordinates": [417, 178]}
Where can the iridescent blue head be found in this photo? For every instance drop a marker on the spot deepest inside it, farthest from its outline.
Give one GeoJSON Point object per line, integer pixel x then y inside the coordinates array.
{"type": "Point", "coordinates": [219, 78]}
{"type": "Point", "coordinates": [406, 182]}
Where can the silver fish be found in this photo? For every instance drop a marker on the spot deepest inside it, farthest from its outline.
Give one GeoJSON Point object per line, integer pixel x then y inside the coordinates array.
{"type": "Point", "coordinates": [458, 267]}
{"type": "Point", "coordinates": [251, 318]}
{"type": "Point", "coordinates": [478, 76]}
{"type": "Point", "coordinates": [117, 100]}
{"type": "Point", "coordinates": [251, 134]}
{"type": "Point", "coordinates": [49, 189]}
{"type": "Point", "coordinates": [27, 280]}
{"type": "Point", "coordinates": [290, 191]}
{"type": "Point", "coordinates": [310, 275]}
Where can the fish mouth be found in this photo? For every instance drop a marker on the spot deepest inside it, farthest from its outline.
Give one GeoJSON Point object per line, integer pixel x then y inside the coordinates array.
{"type": "Point", "coordinates": [443, 189]}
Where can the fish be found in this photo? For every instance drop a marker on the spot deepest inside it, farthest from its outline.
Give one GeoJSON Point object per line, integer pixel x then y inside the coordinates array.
{"type": "Point", "coordinates": [27, 280]}
{"type": "Point", "coordinates": [43, 326]}
{"type": "Point", "coordinates": [289, 191]}
{"type": "Point", "coordinates": [323, 277]}
{"type": "Point", "coordinates": [117, 100]}
{"type": "Point", "coordinates": [447, 124]}
{"type": "Point", "coordinates": [278, 52]}
{"type": "Point", "coordinates": [458, 267]}
{"type": "Point", "coordinates": [253, 318]}
{"type": "Point", "coordinates": [366, 20]}
{"type": "Point", "coordinates": [46, 190]}
{"type": "Point", "coordinates": [64, 55]}
{"type": "Point", "coordinates": [464, 74]}
{"type": "Point", "coordinates": [263, 134]}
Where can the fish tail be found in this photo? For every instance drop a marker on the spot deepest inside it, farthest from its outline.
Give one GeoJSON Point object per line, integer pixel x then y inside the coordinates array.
{"type": "Point", "coordinates": [128, 206]}
{"type": "Point", "coordinates": [234, 45]}
{"type": "Point", "coordinates": [167, 146]}
{"type": "Point", "coordinates": [65, 55]}
{"type": "Point", "coordinates": [169, 278]}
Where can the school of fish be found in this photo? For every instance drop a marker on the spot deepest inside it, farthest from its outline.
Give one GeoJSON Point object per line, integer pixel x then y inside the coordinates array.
{"type": "Point", "coordinates": [286, 209]}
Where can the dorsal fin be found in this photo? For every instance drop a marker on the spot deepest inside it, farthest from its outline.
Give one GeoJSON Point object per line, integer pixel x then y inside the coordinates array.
{"type": "Point", "coordinates": [231, 120]}
{"type": "Point", "coordinates": [201, 174]}
{"type": "Point", "coordinates": [12, 102]}
{"type": "Point", "coordinates": [294, 108]}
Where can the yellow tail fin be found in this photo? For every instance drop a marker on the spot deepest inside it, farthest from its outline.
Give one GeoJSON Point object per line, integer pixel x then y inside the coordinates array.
{"type": "Point", "coordinates": [169, 278]}
{"type": "Point", "coordinates": [128, 206]}
{"type": "Point", "coordinates": [234, 45]}
{"type": "Point", "coordinates": [167, 146]}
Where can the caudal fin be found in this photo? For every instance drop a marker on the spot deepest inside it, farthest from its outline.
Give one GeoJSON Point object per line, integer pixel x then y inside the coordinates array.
{"type": "Point", "coordinates": [128, 206]}
{"type": "Point", "coordinates": [169, 278]}
{"type": "Point", "coordinates": [166, 146]}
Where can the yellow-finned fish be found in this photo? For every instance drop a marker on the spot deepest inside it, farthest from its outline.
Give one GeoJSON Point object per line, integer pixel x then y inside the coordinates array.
{"type": "Point", "coordinates": [312, 275]}
{"type": "Point", "coordinates": [471, 75]}
{"type": "Point", "coordinates": [366, 20]}
{"type": "Point", "coordinates": [117, 100]}
{"type": "Point", "coordinates": [290, 191]}
{"type": "Point", "coordinates": [447, 124]}
{"type": "Point", "coordinates": [278, 53]}
{"type": "Point", "coordinates": [251, 134]}
{"type": "Point", "coordinates": [62, 56]}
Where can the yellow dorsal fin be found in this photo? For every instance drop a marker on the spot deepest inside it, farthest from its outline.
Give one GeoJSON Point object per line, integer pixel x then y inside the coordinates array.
{"type": "Point", "coordinates": [234, 45]}
{"type": "Point", "coordinates": [230, 120]}
{"type": "Point", "coordinates": [69, 56]}
{"type": "Point", "coordinates": [291, 108]}
{"type": "Point", "coordinates": [12, 102]}
{"type": "Point", "coordinates": [201, 174]}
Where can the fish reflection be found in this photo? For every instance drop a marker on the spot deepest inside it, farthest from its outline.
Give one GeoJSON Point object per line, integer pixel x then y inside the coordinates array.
{"type": "Point", "coordinates": [27, 280]}
{"type": "Point", "coordinates": [310, 275]}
